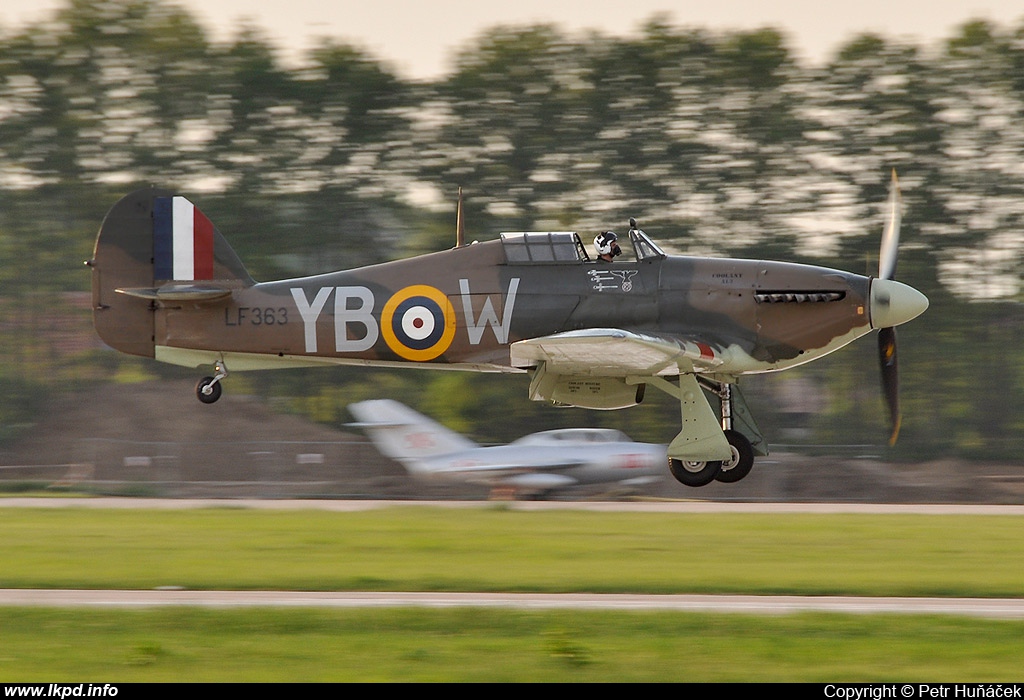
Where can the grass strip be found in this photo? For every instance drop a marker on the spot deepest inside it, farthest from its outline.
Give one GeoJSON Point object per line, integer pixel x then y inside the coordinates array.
{"type": "Point", "coordinates": [496, 549]}
{"type": "Point", "coordinates": [486, 645]}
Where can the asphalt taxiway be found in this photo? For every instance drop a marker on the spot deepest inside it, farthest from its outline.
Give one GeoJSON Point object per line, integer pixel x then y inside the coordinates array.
{"type": "Point", "coordinates": [1003, 608]}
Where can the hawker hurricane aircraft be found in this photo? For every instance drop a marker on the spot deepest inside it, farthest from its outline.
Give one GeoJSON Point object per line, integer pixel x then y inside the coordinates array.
{"type": "Point", "coordinates": [589, 332]}
{"type": "Point", "coordinates": [535, 465]}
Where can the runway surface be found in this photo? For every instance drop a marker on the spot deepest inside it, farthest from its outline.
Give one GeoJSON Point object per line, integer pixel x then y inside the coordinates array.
{"type": "Point", "coordinates": [639, 506]}
{"type": "Point", "coordinates": [1003, 608]}
{"type": "Point", "coordinates": [1006, 608]}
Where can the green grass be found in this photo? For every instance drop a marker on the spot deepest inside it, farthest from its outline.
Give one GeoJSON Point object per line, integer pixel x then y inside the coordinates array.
{"type": "Point", "coordinates": [499, 549]}
{"type": "Point", "coordinates": [502, 549]}
{"type": "Point", "coordinates": [488, 645]}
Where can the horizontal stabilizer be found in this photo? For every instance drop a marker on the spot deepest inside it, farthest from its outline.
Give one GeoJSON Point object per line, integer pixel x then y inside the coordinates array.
{"type": "Point", "coordinates": [176, 293]}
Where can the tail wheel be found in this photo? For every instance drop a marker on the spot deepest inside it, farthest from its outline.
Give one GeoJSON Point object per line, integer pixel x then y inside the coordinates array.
{"type": "Point", "coordinates": [693, 473]}
{"type": "Point", "coordinates": [208, 390]}
{"type": "Point", "coordinates": [742, 460]}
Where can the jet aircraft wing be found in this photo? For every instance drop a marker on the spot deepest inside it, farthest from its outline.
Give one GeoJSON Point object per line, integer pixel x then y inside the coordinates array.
{"type": "Point", "coordinates": [506, 468]}
{"type": "Point", "coordinates": [542, 476]}
{"type": "Point", "coordinates": [612, 352]}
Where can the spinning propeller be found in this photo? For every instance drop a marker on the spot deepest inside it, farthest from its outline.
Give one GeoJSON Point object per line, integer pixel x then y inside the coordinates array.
{"type": "Point", "coordinates": [892, 303]}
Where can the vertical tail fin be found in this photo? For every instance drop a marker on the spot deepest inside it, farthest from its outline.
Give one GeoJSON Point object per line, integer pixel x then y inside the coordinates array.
{"type": "Point", "coordinates": [405, 435]}
{"type": "Point", "coordinates": [155, 246]}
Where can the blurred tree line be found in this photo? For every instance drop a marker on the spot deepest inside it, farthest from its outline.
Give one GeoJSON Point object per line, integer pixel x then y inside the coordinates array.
{"type": "Point", "coordinates": [719, 144]}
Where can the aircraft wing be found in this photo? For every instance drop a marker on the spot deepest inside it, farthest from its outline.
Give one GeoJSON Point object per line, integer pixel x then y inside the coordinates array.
{"type": "Point", "coordinates": [611, 352]}
{"type": "Point", "coordinates": [502, 469]}
{"type": "Point", "coordinates": [495, 474]}
{"type": "Point", "coordinates": [595, 368]}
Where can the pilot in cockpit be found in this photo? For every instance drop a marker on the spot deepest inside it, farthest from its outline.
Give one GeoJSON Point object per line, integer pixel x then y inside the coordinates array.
{"type": "Point", "coordinates": [606, 245]}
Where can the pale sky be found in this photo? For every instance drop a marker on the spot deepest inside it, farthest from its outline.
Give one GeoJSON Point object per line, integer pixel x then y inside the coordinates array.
{"type": "Point", "coordinates": [418, 37]}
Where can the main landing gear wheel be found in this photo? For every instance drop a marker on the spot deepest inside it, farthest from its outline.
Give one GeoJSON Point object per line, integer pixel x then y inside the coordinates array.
{"type": "Point", "coordinates": [739, 465]}
{"type": "Point", "coordinates": [694, 473]}
{"type": "Point", "coordinates": [208, 390]}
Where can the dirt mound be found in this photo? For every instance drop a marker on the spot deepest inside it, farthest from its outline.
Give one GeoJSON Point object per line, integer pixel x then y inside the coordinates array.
{"type": "Point", "coordinates": [155, 412]}
{"type": "Point", "coordinates": [155, 438]}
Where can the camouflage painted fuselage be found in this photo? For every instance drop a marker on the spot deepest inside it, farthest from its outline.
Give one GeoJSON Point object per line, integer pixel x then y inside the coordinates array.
{"type": "Point", "coordinates": [463, 308]}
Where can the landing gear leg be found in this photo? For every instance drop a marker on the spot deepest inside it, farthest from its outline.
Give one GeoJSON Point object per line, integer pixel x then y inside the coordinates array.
{"type": "Point", "coordinates": [700, 437]}
{"type": "Point", "coordinates": [708, 432]}
{"type": "Point", "coordinates": [742, 459]}
{"type": "Point", "coordinates": [208, 390]}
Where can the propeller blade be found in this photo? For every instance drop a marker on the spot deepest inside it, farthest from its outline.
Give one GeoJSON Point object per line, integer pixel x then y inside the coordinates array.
{"type": "Point", "coordinates": [891, 233]}
{"type": "Point", "coordinates": [890, 379]}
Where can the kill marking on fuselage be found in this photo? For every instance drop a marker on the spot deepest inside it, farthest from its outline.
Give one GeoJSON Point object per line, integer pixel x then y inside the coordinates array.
{"type": "Point", "coordinates": [605, 279]}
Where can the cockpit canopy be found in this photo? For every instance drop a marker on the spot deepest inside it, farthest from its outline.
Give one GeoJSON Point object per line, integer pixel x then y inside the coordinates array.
{"type": "Point", "coordinates": [574, 435]}
{"type": "Point", "coordinates": [566, 246]}
{"type": "Point", "coordinates": [555, 246]}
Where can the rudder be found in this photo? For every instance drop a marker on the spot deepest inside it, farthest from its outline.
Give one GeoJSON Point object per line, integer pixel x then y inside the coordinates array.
{"type": "Point", "coordinates": [154, 246]}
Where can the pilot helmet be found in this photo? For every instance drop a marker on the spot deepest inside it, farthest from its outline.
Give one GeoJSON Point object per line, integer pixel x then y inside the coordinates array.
{"type": "Point", "coordinates": [605, 243]}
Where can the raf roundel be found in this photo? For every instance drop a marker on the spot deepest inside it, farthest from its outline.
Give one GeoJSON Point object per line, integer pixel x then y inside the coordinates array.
{"type": "Point", "coordinates": [418, 323]}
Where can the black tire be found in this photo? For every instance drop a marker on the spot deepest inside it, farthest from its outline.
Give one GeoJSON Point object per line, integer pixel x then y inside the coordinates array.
{"type": "Point", "coordinates": [214, 390]}
{"type": "Point", "coordinates": [693, 473]}
{"type": "Point", "coordinates": [742, 458]}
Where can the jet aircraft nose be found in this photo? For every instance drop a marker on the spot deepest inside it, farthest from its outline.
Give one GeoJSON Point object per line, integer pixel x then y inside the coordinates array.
{"type": "Point", "coordinates": [893, 303]}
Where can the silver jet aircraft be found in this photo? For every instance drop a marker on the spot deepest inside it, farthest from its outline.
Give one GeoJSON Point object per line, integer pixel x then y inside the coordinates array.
{"type": "Point", "coordinates": [535, 465]}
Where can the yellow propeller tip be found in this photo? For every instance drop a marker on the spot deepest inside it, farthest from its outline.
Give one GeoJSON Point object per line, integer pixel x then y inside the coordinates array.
{"type": "Point", "coordinates": [895, 431]}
